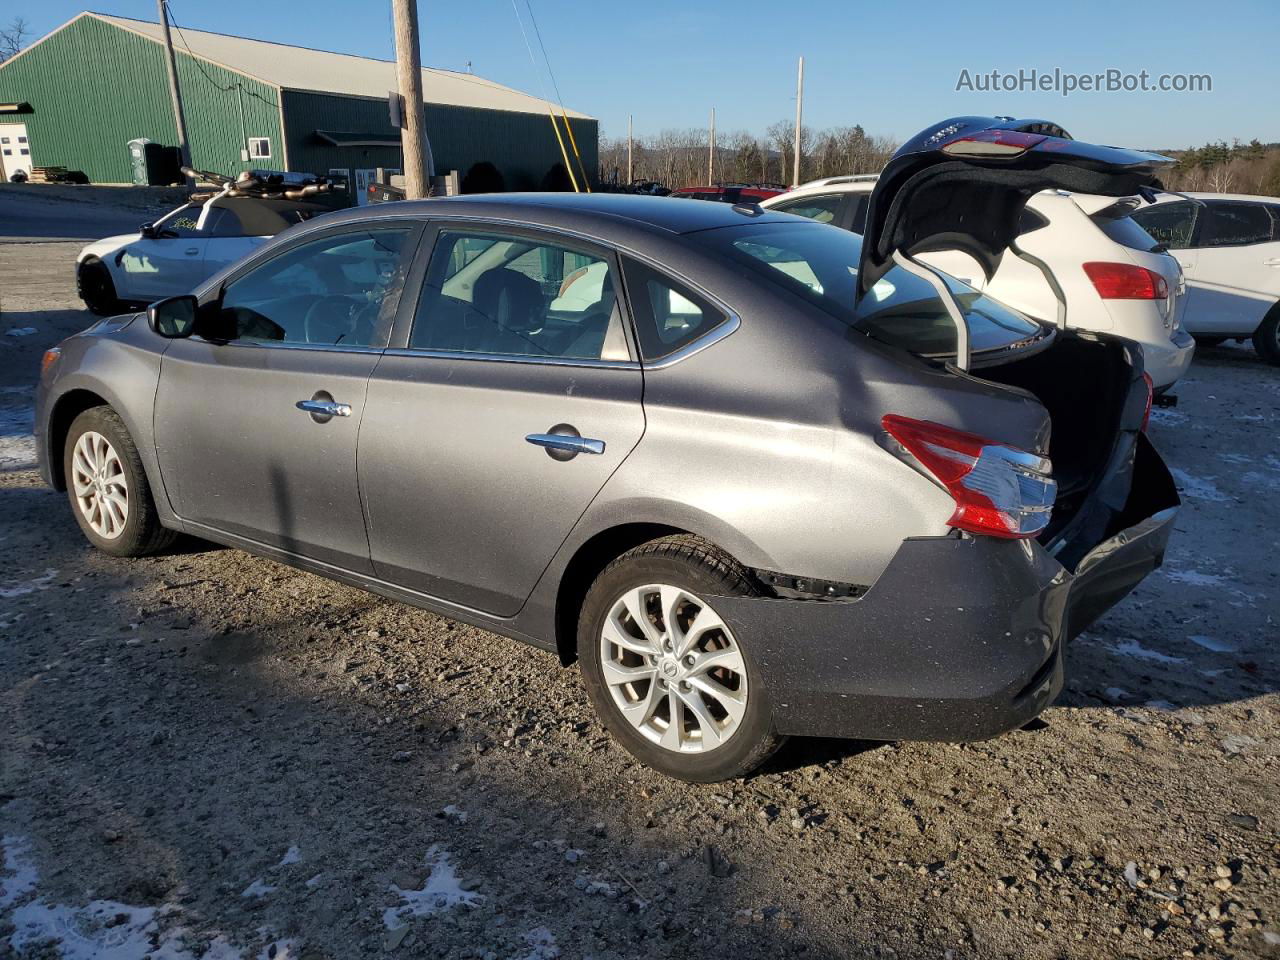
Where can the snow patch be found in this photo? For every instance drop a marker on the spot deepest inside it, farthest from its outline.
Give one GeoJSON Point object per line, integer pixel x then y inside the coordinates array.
{"type": "Point", "coordinates": [257, 890]}
{"type": "Point", "coordinates": [20, 331]}
{"type": "Point", "coordinates": [24, 587]}
{"type": "Point", "coordinates": [1168, 418]}
{"type": "Point", "coordinates": [442, 890]}
{"type": "Point", "coordinates": [18, 862]}
{"type": "Point", "coordinates": [1132, 648]}
{"type": "Point", "coordinates": [292, 855]}
{"type": "Point", "coordinates": [1212, 643]}
{"type": "Point", "coordinates": [1198, 488]}
{"type": "Point", "coordinates": [1194, 578]}
{"type": "Point", "coordinates": [103, 929]}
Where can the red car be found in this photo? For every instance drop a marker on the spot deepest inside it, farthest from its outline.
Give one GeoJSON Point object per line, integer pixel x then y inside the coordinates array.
{"type": "Point", "coordinates": [731, 192]}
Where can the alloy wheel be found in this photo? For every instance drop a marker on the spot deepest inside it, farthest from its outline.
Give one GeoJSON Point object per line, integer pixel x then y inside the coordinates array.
{"type": "Point", "coordinates": [100, 485]}
{"type": "Point", "coordinates": [673, 668]}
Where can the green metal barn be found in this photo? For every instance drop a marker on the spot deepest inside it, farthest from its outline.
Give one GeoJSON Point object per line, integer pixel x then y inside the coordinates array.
{"type": "Point", "coordinates": [76, 97]}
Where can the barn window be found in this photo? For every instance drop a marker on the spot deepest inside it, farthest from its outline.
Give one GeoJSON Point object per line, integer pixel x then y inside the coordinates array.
{"type": "Point", "coordinates": [260, 148]}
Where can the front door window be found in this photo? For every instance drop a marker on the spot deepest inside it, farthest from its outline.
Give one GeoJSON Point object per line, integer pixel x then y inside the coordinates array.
{"type": "Point", "coordinates": [340, 290]}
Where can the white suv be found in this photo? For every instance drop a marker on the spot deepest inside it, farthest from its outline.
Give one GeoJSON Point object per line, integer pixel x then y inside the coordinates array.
{"type": "Point", "coordinates": [1229, 249]}
{"type": "Point", "coordinates": [1114, 277]}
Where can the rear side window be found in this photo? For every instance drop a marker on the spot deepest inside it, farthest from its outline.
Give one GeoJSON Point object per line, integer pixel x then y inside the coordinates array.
{"type": "Point", "coordinates": [1126, 232]}
{"type": "Point", "coordinates": [823, 209]}
{"type": "Point", "coordinates": [1172, 224]}
{"type": "Point", "coordinates": [1235, 224]}
{"type": "Point", "coordinates": [668, 314]}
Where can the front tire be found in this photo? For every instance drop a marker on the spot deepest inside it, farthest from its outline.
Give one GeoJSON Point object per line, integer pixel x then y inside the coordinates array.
{"type": "Point", "coordinates": [669, 678]}
{"type": "Point", "coordinates": [107, 487]}
{"type": "Point", "coordinates": [1266, 339]}
{"type": "Point", "coordinates": [97, 289]}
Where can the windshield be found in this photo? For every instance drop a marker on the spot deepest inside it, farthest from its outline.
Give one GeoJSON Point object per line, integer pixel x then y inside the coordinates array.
{"type": "Point", "coordinates": [820, 264]}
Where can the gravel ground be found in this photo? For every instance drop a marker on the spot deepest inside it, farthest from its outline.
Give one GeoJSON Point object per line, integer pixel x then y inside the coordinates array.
{"type": "Point", "coordinates": [209, 755]}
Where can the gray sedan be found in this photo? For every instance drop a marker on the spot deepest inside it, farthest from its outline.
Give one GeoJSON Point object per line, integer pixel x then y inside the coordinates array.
{"type": "Point", "coordinates": [757, 475]}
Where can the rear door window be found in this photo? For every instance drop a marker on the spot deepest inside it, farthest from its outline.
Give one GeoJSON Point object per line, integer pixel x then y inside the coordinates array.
{"type": "Point", "coordinates": [517, 296]}
{"type": "Point", "coordinates": [1229, 224]}
{"type": "Point", "coordinates": [668, 315]}
{"type": "Point", "coordinates": [1172, 224]}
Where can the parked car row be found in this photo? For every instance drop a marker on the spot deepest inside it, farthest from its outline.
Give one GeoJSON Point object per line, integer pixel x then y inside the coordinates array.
{"type": "Point", "coordinates": [1160, 272]}
{"type": "Point", "coordinates": [758, 477]}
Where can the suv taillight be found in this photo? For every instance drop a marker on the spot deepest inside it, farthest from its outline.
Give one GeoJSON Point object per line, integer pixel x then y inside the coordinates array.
{"type": "Point", "coordinates": [1126, 281]}
{"type": "Point", "coordinates": [999, 490]}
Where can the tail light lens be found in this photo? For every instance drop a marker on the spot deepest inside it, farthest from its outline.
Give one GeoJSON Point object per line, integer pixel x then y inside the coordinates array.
{"type": "Point", "coordinates": [1151, 395]}
{"type": "Point", "coordinates": [1126, 281]}
{"type": "Point", "coordinates": [999, 490]}
{"type": "Point", "coordinates": [993, 143]}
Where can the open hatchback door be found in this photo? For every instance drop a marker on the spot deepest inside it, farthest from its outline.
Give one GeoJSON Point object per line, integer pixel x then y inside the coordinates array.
{"type": "Point", "coordinates": [962, 185]}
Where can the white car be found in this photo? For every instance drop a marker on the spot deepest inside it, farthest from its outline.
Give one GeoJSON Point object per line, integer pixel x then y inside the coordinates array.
{"type": "Point", "coordinates": [176, 253]}
{"type": "Point", "coordinates": [1113, 276]}
{"type": "Point", "coordinates": [1229, 249]}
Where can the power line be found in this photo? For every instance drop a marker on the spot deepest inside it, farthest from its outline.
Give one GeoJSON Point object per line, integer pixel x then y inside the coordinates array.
{"type": "Point", "coordinates": [200, 65]}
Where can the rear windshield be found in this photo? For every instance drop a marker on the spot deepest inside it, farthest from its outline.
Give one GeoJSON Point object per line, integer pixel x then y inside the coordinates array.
{"type": "Point", "coordinates": [1126, 232]}
{"type": "Point", "coordinates": [820, 264]}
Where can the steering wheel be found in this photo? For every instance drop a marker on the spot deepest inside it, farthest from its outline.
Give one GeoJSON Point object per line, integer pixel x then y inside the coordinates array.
{"type": "Point", "coordinates": [330, 320]}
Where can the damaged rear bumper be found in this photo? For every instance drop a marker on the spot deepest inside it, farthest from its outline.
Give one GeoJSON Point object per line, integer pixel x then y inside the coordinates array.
{"type": "Point", "coordinates": [961, 638]}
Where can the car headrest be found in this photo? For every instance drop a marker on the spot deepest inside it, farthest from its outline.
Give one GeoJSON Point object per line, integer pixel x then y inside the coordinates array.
{"type": "Point", "coordinates": [509, 299]}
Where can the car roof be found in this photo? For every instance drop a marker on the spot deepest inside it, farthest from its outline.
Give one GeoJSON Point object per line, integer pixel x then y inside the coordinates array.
{"type": "Point", "coordinates": [1247, 197]}
{"type": "Point", "coordinates": [857, 183]}
{"type": "Point", "coordinates": [584, 209]}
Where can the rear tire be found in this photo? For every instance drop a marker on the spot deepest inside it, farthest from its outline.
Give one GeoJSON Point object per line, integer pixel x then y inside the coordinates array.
{"type": "Point", "coordinates": [107, 487]}
{"type": "Point", "coordinates": [97, 289]}
{"type": "Point", "coordinates": [1266, 339]}
{"type": "Point", "coordinates": [723, 715]}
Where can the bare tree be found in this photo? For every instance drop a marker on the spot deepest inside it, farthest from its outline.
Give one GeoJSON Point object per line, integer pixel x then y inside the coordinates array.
{"type": "Point", "coordinates": [13, 38]}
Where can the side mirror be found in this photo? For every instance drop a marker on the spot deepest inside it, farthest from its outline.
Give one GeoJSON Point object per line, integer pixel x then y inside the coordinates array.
{"type": "Point", "coordinates": [173, 318]}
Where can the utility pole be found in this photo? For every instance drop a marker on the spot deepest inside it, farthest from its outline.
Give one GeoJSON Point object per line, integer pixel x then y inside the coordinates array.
{"type": "Point", "coordinates": [711, 150]}
{"type": "Point", "coordinates": [413, 135]}
{"type": "Point", "coordinates": [795, 171]}
{"type": "Point", "coordinates": [630, 175]}
{"type": "Point", "coordinates": [180, 120]}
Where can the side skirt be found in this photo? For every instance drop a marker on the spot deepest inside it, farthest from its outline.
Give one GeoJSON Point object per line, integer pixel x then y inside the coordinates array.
{"type": "Point", "coordinates": [382, 588]}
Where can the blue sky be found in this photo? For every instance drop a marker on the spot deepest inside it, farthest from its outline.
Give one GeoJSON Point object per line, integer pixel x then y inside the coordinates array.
{"type": "Point", "coordinates": [892, 67]}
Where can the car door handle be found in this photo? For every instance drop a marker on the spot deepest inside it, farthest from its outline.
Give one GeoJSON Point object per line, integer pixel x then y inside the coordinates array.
{"type": "Point", "coordinates": [566, 443]}
{"type": "Point", "coordinates": [325, 408]}
{"type": "Point", "coordinates": [1273, 262]}
{"type": "Point", "coordinates": [191, 251]}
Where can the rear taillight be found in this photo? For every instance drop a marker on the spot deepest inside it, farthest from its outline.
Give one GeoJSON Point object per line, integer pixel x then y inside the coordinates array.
{"type": "Point", "coordinates": [1151, 395]}
{"type": "Point", "coordinates": [1126, 281]}
{"type": "Point", "coordinates": [999, 490]}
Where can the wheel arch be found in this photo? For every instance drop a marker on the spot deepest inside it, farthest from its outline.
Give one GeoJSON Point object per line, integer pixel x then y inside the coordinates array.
{"type": "Point", "coordinates": [594, 554]}
{"type": "Point", "coordinates": [65, 410]}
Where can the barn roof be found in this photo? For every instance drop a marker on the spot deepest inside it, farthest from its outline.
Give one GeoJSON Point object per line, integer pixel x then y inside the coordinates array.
{"type": "Point", "coordinates": [301, 68]}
